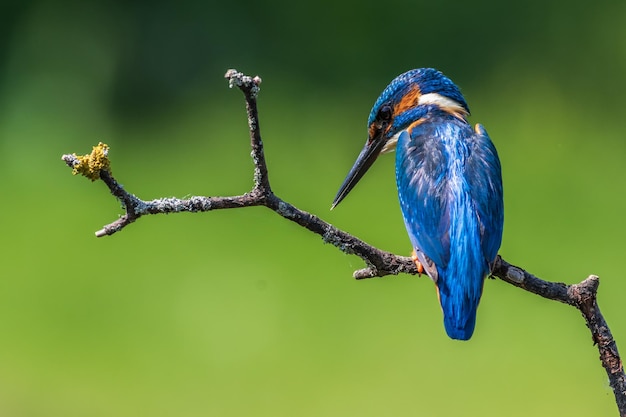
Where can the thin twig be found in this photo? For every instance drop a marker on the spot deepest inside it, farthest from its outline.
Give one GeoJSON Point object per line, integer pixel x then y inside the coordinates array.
{"type": "Point", "coordinates": [379, 263]}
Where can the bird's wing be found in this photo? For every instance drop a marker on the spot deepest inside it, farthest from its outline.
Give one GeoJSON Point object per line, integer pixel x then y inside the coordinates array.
{"type": "Point", "coordinates": [420, 176]}
{"type": "Point", "coordinates": [484, 177]}
{"type": "Point", "coordinates": [425, 198]}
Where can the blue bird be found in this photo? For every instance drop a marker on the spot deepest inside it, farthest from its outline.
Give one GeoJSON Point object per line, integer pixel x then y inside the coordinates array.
{"type": "Point", "coordinates": [449, 184]}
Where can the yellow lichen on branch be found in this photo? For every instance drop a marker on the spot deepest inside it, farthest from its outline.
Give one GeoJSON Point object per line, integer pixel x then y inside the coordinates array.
{"type": "Point", "coordinates": [91, 164]}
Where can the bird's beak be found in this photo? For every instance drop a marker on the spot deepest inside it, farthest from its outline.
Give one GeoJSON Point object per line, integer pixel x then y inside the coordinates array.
{"type": "Point", "coordinates": [366, 159]}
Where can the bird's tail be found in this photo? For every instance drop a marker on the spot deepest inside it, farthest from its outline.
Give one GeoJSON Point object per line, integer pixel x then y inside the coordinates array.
{"type": "Point", "coordinates": [460, 285]}
{"type": "Point", "coordinates": [459, 301]}
{"type": "Point", "coordinates": [459, 325]}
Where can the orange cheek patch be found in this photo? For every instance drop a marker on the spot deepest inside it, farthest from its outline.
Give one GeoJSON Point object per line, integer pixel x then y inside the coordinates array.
{"type": "Point", "coordinates": [413, 125]}
{"type": "Point", "coordinates": [373, 130]}
{"type": "Point", "coordinates": [409, 100]}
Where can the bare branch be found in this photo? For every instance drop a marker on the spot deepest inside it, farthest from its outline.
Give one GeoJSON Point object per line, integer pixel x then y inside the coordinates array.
{"type": "Point", "coordinates": [583, 296]}
{"type": "Point", "coordinates": [378, 262]}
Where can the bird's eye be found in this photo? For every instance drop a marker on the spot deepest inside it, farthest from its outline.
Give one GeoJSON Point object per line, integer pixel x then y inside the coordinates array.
{"type": "Point", "coordinates": [384, 114]}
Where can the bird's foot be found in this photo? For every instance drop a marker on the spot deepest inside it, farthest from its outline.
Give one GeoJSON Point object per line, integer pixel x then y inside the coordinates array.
{"type": "Point", "coordinates": [418, 264]}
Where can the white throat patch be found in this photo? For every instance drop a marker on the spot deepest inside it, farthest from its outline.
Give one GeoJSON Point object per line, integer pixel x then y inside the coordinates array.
{"type": "Point", "coordinates": [445, 103]}
{"type": "Point", "coordinates": [390, 146]}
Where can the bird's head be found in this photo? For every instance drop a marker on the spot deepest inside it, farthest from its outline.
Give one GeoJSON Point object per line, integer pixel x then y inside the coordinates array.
{"type": "Point", "coordinates": [407, 100]}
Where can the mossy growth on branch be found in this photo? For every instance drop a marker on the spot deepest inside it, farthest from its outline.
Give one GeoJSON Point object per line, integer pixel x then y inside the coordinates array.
{"type": "Point", "coordinates": [91, 164]}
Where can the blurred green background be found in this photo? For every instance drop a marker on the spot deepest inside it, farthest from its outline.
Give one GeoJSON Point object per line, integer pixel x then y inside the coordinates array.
{"type": "Point", "coordinates": [241, 313]}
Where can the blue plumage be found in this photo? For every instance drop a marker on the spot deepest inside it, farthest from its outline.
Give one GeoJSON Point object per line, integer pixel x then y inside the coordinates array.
{"type": "Point", "coordinates": [449, 184]}
{"type": "Point", "coordinates": [450, 193]}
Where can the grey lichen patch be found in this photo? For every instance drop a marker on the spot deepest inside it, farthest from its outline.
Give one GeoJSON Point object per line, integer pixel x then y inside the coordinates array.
{"type": "Point", "coordinates": [284, 209]}
{"type": "Point", "coordinates": [176, 205]}
{"type": "Point", "coordinates": [236, 78]}
{"type": "Point", "coordinates": [254, 90]}
{"type": "Point", "coordinates": [139, 207]}
{"type": "Point", "coordinates": [252, 125]}
{"type": "Point", "coordinates": [70, 160]}
{"type": "Point", "coordinates": [168, 205]}
{"type": "Point", "coordinates": [257, 177]}
{"type": "Point", "coordinates": [200, 204]}
{"type": "Point", "coordinates": [330, 236]}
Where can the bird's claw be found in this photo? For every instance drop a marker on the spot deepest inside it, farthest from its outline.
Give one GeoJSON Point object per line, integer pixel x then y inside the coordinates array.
{"type": "Point", "coordinates": [418, 264]}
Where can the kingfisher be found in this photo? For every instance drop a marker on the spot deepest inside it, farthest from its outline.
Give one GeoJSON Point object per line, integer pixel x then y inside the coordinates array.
{"type": "Point", "coordinates": [449, 184]}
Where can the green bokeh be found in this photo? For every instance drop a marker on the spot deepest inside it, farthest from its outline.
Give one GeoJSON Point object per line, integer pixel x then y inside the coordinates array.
{"type": "Point", "coordinates": [239, 312]}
